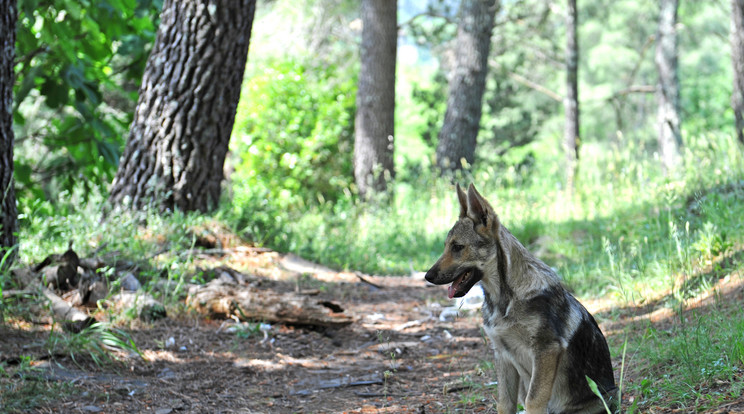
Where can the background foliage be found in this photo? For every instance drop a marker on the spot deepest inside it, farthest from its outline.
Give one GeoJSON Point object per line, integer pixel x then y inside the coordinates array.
{"type": "Point", "coordinates": [298, 123]}
{"type": "Point", "coordinates": [79, 64]}
{"type": "Point", "coordinates": [291, 184]}
{"type": "Point", "coordinates": [627, 233]}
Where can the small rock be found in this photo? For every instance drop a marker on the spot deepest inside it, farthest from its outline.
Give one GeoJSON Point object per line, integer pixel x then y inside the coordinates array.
{"type": "Point", "coordinates": [129, 282]}
{"type": "Point", "coordinates": [166, 373]}
{"type": "Point", "coordinates": [98, 291]}
{"type": "Point", "coordinates": [449, 314]}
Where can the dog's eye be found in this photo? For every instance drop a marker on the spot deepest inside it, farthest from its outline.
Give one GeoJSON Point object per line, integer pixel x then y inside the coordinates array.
{"type": "Point", "coordinates": [457, 247]}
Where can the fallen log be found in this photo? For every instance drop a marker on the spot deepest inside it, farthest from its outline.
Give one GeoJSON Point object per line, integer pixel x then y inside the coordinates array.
{"type": "Point", "coordinates": [223, 299]}
{"type": "Point", "coordinates": [72, 319]}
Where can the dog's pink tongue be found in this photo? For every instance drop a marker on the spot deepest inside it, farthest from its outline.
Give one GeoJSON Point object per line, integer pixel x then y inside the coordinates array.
{"type": "Point", "coordinates": [452, 289]}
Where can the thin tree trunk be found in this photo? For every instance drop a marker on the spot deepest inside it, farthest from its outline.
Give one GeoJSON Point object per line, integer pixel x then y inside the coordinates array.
{"type": "Point", "coordinates": [737, 60]}
{"type": "Point", "coordinates": [375, 117]}
{"type": "Point", "coordinates": [177, 143]}
{"type": "Point", "coordinates": [571, 140]}
{"type": "Point", "coordinates": [459, 133]}
{"type": "Point", "coordinates": [667, 94]}
{"type": "Point", "coordinates": [8, 209]}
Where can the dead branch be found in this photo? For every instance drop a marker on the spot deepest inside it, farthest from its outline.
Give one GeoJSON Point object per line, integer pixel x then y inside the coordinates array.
{"type": "Point", "coordinates": [224, 299]}
{"type": "Point", "coordinates": [425, 14]}
{"type": "Point", "coordinates": [73, 320]}
{"type": "Point", "coordinates": [530, 84]}
{"type": "Point", "coordinates": [633, 89]}
{"type": "Point", "coordinates": [363, 279]}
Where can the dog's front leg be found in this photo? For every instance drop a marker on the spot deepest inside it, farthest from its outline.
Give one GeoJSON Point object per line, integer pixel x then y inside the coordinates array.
{"type": "Point", "coordinates": [508, 386]}
{"type": "Point", "coordinates": [544, 370]}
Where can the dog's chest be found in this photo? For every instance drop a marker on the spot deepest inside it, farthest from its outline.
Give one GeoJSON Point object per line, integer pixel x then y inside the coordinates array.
{"type": "Point", "coordinates": [509, 339]}
{"type": "Point", "coordinates": [506, 334]}
{"type": "Point", "coordinates": [511, 348]}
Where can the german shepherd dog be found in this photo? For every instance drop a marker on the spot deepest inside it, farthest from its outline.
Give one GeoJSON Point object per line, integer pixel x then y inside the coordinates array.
{"type": "Point", "coordinates": [545, 341]}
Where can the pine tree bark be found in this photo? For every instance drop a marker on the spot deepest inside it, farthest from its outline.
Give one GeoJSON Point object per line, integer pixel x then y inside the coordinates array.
{"type": "Point", "coordinates": [178, 140]}
{"type": "Point", "coordinates": [467, 82]}
{"type": "Point", "coordinates": [8, 208]}
{"type": "Point", "coordinates": [375, 117]}
{"type": "Point", "coordinates": [667, 93]}
{"type": "Point", "coordinates": [737, 61]}
{"type": "Point", "coordinates": [571, 139]}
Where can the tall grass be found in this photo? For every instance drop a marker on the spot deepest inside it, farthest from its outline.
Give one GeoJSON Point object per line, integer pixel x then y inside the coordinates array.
{"type": "Point", "coordinates": [623, 206]}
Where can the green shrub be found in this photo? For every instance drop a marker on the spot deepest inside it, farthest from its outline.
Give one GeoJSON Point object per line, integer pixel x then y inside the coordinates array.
{"type": "Point", "coordinates": [293, 135]}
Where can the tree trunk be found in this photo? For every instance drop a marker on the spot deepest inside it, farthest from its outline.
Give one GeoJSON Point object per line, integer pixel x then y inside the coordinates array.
{"type": "Point", "coordinates": [179, 137]}
{"type": "Point", "coordinates": [8, 209]}
{"type": "Point", "coordinates": [375, 117]}
{"type": "Point", "coordinates": [737, 60]}
{"type": "Point", "coordinates": [667, 94]}
{"type": "Point", "coordinates": [467, 82]}
{"type": "Point", "coordinates": [571, 140]}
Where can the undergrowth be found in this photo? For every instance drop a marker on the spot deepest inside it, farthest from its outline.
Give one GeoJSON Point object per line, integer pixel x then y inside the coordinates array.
{"type": "Point", "coordinates": [697, 362]}
{"type": "Point", "coordinates": [97, 342]}
{"type": "Point", "coordinates": [22, 388]}
{"type": "Point", "coordinates": [628, 232]}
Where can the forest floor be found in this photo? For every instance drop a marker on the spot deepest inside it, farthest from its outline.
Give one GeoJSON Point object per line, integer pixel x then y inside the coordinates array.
{"type": "Point", "coordinates": [397, 356]}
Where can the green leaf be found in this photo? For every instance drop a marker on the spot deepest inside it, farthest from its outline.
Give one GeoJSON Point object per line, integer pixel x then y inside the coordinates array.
{"type": "Point", "coordinates": [74, 9]}
{"type": "Point", "coordinates": [56, 92]}
{"type": "Point", "coordinates": [74, 75]}
{"type": "Point", "coordinates": [595, 389]}
{"type": "Point", "coordinates": [109, 152]}
{"type": "Point", "coordinates": [22, 173]}
{"type": "Point", "coordinates": [26, 85]}
{"type": "Point", "coordinates": [18, 118]}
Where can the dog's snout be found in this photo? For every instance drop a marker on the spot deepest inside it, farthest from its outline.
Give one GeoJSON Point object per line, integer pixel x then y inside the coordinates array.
{"type": "Point", "coordinates": [428, 276]}
{"type": "Point", "coordinates": [432, 274]}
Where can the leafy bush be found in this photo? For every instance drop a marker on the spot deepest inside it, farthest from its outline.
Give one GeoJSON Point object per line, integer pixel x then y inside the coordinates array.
{"type": "Point", "coordinates": [293, 135]}
{"type": "Point", "coordinates": [79, 67]}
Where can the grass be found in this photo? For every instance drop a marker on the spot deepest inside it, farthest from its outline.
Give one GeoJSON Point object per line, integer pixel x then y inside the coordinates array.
{"type": "Point", "coordinates": [694, 363]}
{"type": "Point", "coordinates": [22, 389]}
{"type": "Point", "coordinates": [628, 233]}
{"type": "Point", "coordinates": [98, 342]}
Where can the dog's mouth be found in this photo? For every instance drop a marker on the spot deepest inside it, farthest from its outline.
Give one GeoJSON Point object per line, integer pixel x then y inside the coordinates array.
{"type": "Point", "coordinates": [463, 283]}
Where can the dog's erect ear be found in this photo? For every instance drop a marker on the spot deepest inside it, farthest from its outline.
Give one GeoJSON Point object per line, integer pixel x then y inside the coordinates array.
{"type": "Point", "coordinates": [463, 201]}
{"type": "Point", "coordinates": [481, 212]}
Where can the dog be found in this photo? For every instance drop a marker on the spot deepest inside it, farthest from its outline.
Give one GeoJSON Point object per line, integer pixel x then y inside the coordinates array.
{"type": "Point", "coordinates": [545, 342]}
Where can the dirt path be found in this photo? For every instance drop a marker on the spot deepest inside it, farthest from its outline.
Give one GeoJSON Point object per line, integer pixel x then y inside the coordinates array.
{"type": "Point", "coordinates": [397, 357]}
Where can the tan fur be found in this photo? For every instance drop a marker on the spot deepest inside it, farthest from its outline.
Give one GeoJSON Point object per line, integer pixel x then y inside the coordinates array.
{"type": "Point", "coordinates": [544, 341]}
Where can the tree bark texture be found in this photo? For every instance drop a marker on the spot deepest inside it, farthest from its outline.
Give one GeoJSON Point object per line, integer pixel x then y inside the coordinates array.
{"type": "Point", "coordinates": [375, 116]}
{"type": "Point", "coordinates": [571, 140]}
{"type": "Point", "coordinates": [467, 82]}
{"type": "Point", "coordinates": [178, 140]}
{"type": "Point", "coordinates": [737, 60]}
{"type": "Point", "coordinates": [8, 208]}
{"type": "Point", "coordinates": [667, 93]}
